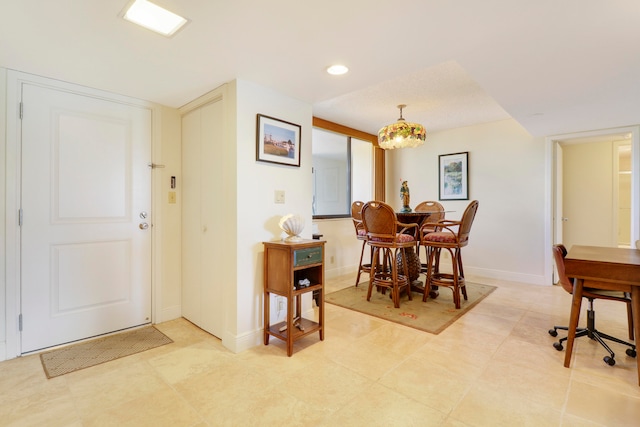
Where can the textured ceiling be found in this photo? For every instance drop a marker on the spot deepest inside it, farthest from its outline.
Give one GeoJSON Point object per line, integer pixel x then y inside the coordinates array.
{"type": "Point", "coordinates": [554, 66]}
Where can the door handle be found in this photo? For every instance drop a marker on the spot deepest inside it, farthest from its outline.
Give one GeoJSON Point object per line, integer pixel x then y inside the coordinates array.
{"type": "Point", "coordinates": [564, 219]}
{"type": "Point", "coordinates": [143, 226]}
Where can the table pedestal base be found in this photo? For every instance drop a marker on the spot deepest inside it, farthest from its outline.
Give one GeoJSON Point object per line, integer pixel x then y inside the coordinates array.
{"type": "Point", "coordinates": [418, 286]}
{"type": "Point", "coordinates": [415, 267]}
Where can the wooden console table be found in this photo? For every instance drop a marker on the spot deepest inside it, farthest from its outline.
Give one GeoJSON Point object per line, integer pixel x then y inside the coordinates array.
{"type": "Point", "coordinates": [285, 265]}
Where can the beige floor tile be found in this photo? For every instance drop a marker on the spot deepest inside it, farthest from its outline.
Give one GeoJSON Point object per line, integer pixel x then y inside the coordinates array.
{"type": "Point", "coordinates": [112, 385]}
{"type": "Point", "coordinates": [192, 360]}
{"type": "Point", "coordinates": [491, 406]}
{"type": "Point", "coordinates": [540, 386]}
{"type": "Point", "coordinates": [602, 405]}
{"type": "Point", "coordinates": [430, 385]}
{"type": "Point", "coordinates": [397, 339]}
{"type": "Point", "coordinates": [495, 366]}
{"type": "Point", "coordinates": [380, 406]}
{"type": "Point", "coordinates": [452, 422]}
{"type": "Point", "coordinates": [352, 324]}
{"type": "Point", "coordinates": [157, 409]}
{"type": "Point", "coordinates": [460, 362]}
{"type": "Point", "coordinates": [242, 395]}
{"type": "Point", "coordinates": [573, 421]}
{"type": "Point", "coordinates": [24, 376]}
{"type": "Point", "coordinates": [329, 386]}
{"type": "Point", "coordinates": [498, 309]}
{"type": "Point", "coordinates": [50, 406]}
{"type": "Point", "coordinates": [541, 357]}
{"type": "Point", "coordinates": [368, 360]}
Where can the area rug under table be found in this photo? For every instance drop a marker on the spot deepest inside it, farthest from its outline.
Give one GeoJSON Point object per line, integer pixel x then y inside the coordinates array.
{"type": "Point", "coordinates": [432, 316]}
{"type": "Point", "coordinates": [94, 352]}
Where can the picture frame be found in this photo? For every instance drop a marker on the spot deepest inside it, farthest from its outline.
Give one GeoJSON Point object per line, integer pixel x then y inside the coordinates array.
{"type": "Point", "coordinates": [277, 141]}
{"type": "Point", "coordinates": [453, 178]}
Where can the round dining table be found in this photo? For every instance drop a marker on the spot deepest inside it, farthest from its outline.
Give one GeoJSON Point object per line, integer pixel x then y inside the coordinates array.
{"type": "Point", "coordinates": [414, 264]}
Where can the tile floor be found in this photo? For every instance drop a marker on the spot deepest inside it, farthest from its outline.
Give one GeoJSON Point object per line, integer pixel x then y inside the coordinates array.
{"type": "Point", "coordinates": [494, 367]}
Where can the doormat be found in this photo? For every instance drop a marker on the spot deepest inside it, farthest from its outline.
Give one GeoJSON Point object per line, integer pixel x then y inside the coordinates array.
{"type": "Point", "coordinates": [95, 352]}
{"type": "Point", "coordinates": [432, 316]}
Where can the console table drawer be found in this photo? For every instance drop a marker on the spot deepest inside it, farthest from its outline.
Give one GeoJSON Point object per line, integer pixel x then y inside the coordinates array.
{"type": "Point", "coordinates": [307, 256]}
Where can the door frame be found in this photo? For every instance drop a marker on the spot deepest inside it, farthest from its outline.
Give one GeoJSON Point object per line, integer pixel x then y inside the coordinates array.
{"type": "Point", "coordinates": [14, 81]}
{"type": "Point", "coordinates": [551, 182]}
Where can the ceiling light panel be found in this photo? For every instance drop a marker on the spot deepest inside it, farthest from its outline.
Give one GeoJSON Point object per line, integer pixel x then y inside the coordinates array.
{"type": "Point", "coordinates": [337, 69]}
{"type": "Point", "coordinates": [154, 17]}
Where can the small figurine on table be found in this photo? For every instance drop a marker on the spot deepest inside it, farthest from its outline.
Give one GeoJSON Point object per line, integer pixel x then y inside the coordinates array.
{"type": "Point", "coordinates": [404, 195]}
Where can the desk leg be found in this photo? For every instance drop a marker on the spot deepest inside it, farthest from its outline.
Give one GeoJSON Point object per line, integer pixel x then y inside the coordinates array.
{"type": "Point", "coordinates": [573, 321]}
{"type": "Point", "coordinates": [635, 307]}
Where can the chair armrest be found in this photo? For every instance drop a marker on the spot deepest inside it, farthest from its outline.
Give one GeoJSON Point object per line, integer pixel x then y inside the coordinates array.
{"type": "Point", "coordinates": [444, 224]}
{"type": "Point", "coordinates": [406, 227]}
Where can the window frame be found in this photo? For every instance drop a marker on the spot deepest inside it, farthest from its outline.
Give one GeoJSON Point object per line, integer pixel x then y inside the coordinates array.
{"type": "Point", "coordinates": [378, 159]}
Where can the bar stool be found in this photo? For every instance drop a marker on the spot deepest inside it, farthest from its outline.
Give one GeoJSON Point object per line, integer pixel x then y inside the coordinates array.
{"type": "Point", "coordinates": [452, 236]}
{"type": "Point", "coordinates": [361, 234]}
{"type": "Point", "coordinates": [389, 238]}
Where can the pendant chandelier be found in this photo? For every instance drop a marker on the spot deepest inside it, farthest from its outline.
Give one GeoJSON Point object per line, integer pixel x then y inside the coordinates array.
{"type": "Point", "coordinates": [401, 134]}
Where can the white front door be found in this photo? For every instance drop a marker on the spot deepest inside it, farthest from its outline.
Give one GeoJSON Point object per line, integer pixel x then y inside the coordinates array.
{"type": "Point", "coordinates": [86, 216]}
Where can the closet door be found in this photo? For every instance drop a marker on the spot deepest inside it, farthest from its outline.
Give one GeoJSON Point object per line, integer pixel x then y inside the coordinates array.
{"type": "Point", "coordinates": [202, 203]}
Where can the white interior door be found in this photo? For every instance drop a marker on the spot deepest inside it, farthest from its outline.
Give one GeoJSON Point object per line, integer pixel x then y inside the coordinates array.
{"type": "Point", "coordinates": [203, 206]}
{"type": "Point", "coordinates": [86, 205]}
{"type": "Point", "coordinates": [559, 213]}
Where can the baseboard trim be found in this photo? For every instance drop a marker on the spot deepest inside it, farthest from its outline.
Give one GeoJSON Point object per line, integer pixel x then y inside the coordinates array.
{"type": "Point", "coordinates": [169, 313]}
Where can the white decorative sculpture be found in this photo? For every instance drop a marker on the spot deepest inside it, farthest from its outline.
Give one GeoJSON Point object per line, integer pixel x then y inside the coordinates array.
{"type": "Point", "coordinates": [292, 224]}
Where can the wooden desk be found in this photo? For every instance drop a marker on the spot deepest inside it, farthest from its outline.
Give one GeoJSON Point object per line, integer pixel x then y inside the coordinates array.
{"type": "Point", "coordinates": [614, 269]}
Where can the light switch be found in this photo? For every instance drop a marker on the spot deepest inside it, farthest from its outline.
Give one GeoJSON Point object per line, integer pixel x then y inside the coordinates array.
{"type": "Point", "coordinates": [172, 197]}
{"type": "Point", "coordinates": [279, 196]}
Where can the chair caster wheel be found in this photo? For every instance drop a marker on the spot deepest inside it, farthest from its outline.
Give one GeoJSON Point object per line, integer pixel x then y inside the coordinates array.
{"type": "Point", "coordinates": [609, 360]}
{"type": "Point", "coordinates": [631, 352]}
{"type": "Point", "coordinates": [553, 332]}
{"type": "Point", "coordinates": [558, 346]}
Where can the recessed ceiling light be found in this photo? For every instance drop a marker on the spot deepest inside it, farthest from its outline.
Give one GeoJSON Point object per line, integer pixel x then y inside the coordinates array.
{"type": "Point", "coordinates": [337, 70]}
{"type": "Point", "coordinates": [154, 17]}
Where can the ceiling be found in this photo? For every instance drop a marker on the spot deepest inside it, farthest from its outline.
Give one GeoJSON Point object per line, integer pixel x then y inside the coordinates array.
{"type": "Point", "coordinates": [554, 66]}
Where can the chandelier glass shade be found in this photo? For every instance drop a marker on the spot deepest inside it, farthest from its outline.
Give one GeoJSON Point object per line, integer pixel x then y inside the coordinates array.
{"type": "Point", "coordinates": [401, 134]}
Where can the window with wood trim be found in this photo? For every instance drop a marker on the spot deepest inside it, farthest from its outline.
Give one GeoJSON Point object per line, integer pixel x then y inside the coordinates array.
{"type": "Point", "coordinates": [343, 168]}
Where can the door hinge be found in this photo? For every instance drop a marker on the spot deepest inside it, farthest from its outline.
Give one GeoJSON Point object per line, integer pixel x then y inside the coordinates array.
{"type": "Point", "coordinates": [20, 217]}
{"type": "Point", "coordinates": [21, 111]}
{"type": "Point", "coordinates": [20, 322]}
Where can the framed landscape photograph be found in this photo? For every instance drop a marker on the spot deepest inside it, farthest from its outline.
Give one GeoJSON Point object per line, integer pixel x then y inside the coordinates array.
{"type": "Point", "coordinates": [453, 176]}
{"type": "Point", "coordinates": [277, 141]}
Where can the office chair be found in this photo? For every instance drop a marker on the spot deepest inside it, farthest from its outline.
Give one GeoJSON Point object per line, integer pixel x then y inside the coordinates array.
{"type": "Point", "coordinates": [559, 252]}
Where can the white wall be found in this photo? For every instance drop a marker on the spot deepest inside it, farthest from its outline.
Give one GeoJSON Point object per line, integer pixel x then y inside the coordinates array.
{"type": "Point", "coordinates": [257, 213]}
{"type": "Point", "coordinates": [3, 280]}
{"type": "Point", "coordinates": [506, 174]}
{"type": "Point", "coordinates": [507, 177]}
{"type": "Point", "coordinates": [168, 215]}
{"type": "Point", "coordinates": [342, 250]}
